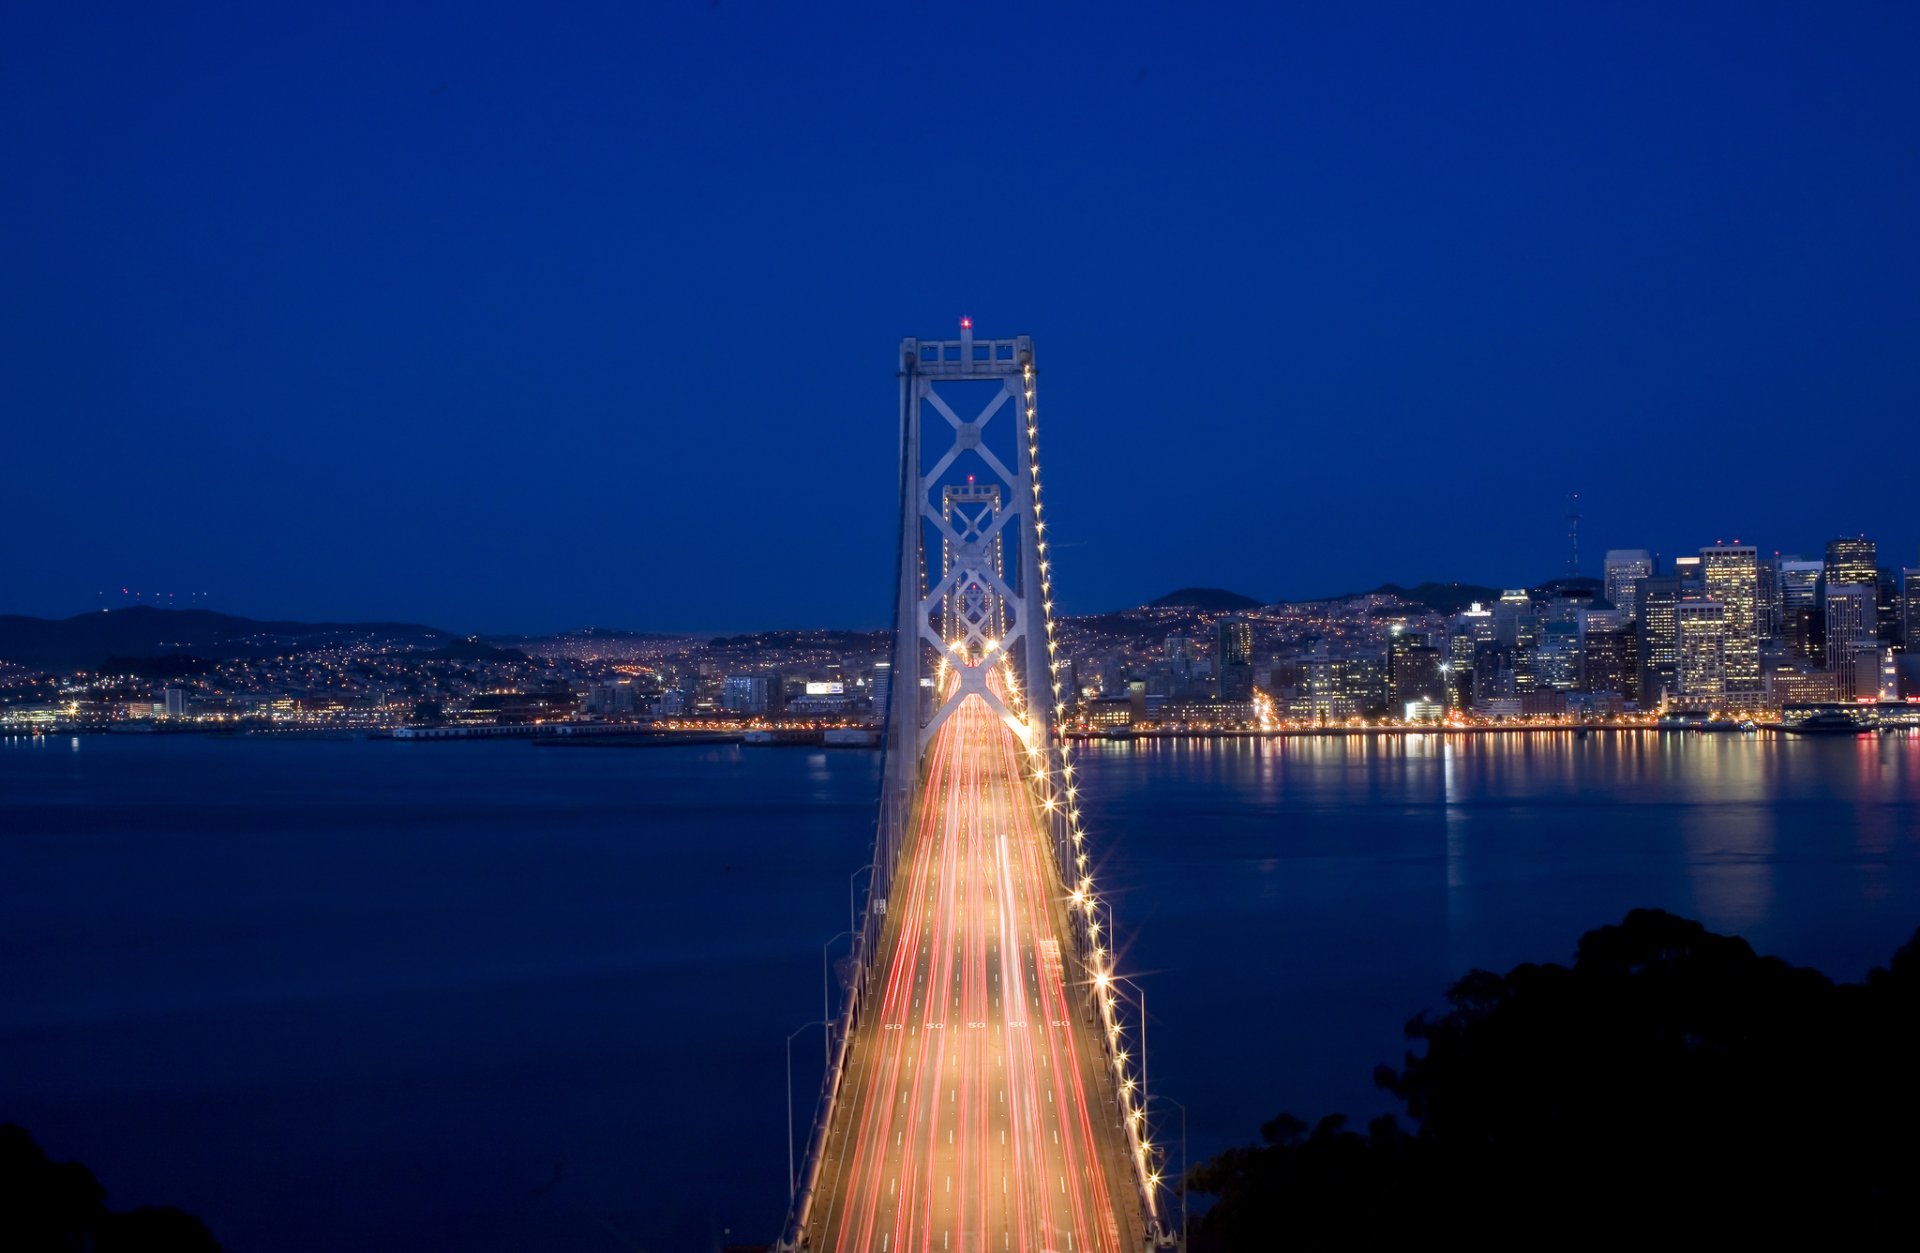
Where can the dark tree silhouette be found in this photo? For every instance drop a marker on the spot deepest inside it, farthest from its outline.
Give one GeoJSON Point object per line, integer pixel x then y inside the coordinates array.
{"type": "Point", "coordinates": [59, 1207]}
{"type": "Point", "coordinates": [1670, 1083]}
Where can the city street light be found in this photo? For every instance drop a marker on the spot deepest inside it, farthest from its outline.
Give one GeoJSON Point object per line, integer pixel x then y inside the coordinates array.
{"type": "Point", "coordinates": [1142, 994]}
{"type": "Point", "coordinates": [852, 917]}
{"type": "Point", "coordinates": [793, 1180]}
{"type": "Point", "coordinates": [1183, 1162]}
{"type": "Point", "coordinates": [826, 1011]}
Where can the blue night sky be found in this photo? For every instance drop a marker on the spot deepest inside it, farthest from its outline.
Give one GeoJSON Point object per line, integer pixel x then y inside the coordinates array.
{"type": "Point", "coordinates": [530, 318]}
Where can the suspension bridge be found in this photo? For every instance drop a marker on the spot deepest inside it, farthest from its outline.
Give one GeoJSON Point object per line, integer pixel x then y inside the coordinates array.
{"type": "Point", "coordinates": [985, 1086]}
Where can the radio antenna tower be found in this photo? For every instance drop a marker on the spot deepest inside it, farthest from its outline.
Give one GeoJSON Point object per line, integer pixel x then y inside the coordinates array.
{"type": "Point", "coordinates": [1573, 536]}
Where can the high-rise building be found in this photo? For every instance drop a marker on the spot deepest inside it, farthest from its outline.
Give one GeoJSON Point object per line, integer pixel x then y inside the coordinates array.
{"type": "Point", "coordinates": [1413, 671]}
{"type": "Point", "coordinates": [1730, 574]}
{"type": "Point", "coordinates": [1556, 659]}
{"type": "Point", "coordinates": [1852, 617]}
{"type": "Point", "coordinates": [1766, 625]}
{"type": "Point", "coordinates": [1659, 638]}
{"type": "Point", "coordinates": [748, 693]}
{"type": "Point", "coordinates": [1910, 608]}
{"type": "Point", "coordinates": [1460, 649]}
{"type": "Point", "coordinates": [1233, 658]}
{"type": "Point", "coordinates": [969, 510]}
{"type": "Point", "coordinates": [1701, 626]}
{"type": "Point", "coordinates": [882, 685]}
{"type": "Point", "coordinates": [1691, 573]}
{"type": "Point", "coordinates": [1859, 668]}
{"type": "Point", "coordinates": [1626, 569]}
{"type": "Point", "coordinates": [1514, 605]}
{"type": "Point", "coordinates": [1887, 608]}
{"type": "Point", "coordinates": [1796, 601]}
{"type": "Point", "coordinates": [1852, 561]}
{"type": "Point", "coordinates": [1609, 661]}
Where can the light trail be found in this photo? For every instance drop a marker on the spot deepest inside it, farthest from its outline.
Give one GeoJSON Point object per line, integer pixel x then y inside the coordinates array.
{"type": "Point", "coordinates": [977, 1112]}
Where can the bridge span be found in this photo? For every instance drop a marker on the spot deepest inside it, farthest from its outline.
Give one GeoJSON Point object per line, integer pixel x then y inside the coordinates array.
{"type": "Point", "coordinates": [985, 1091]}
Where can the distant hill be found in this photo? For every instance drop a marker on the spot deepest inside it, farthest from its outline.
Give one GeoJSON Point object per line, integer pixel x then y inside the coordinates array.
{"type": "Point", "coordinates": [85, 641]}
{"type": "Point", "coordinates": [473, 650]}
{"type": "Point", "coordinates": [1442, 597]}
{"type": "Point", "coordinates": [1438, 597]}
{"type": "Point", "coordinates": [1453, 597]}
{"type": "Point", "coordinates": [1213, 599]}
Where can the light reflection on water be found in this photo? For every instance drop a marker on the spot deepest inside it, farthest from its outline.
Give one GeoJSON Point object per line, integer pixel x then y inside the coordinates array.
{"type": "Point", "coordinates": [1314, 892]}
{"type": "Point", "coordinates": [461, 964]}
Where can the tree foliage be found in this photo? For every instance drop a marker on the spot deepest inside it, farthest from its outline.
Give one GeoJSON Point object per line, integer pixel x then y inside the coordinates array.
{"type": "Point", "coordinates": [1670, 1081]}
{"type": "Point", "coordinates": [59, 1207]}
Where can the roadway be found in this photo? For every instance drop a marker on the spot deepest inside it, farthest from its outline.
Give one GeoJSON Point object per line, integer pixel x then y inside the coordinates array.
{"type": "Point", "coordinates": [976, 1112]}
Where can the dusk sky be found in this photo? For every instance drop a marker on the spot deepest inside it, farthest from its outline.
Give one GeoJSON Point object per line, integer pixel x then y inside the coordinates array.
{"type": "Point", "coordinates": [535, 317]}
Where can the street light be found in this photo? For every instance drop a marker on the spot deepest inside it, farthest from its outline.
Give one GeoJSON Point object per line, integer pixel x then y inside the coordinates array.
{"type": "Point", "coordinates": [826, 1012]}
{"type": "Point", "coordinates": [793, 1180]}
{"type": "Point", "coordinates": [1142, 994]}
{"type": "Point", "coordinates": [852, 917]}
{"type": "Point", "coordinates": [1183, 1162]}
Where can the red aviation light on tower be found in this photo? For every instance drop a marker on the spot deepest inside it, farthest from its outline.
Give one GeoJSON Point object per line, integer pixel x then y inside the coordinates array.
{"type": "Point", "coordinates": [966, 324]}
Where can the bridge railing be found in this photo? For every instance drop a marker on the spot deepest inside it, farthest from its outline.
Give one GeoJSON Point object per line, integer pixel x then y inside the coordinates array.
{"type": "Point", "coordinates": [888, 823]}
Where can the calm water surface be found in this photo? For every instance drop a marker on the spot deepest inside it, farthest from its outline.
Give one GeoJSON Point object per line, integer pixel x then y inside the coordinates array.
{"type": "Point", "coordinates": [385, 996]}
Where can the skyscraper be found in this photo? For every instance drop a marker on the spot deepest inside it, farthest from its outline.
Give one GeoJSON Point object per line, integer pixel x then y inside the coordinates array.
{"type": "Point", "coordinates": [1851, 617]}
{"type": "Point", "coordinates": [1233, 658]}
{"type": "Point", "coordinates": [1796, 600]}
{"type": "Point", "coordinates": [1691, 574]}
{"type": "Point", "coordinates": [1910, 608]}
{"type": "Point", "coordinates": [1887, 612]}
{"type": "Point", "coordinates": [1626, 569]}
{"type": "Point", "coordinates": [1730, 575]}
{"type": "Point", "coordinates": [1852, 561]}
{"type": "Point", "coordinates": [1702, 671]}
{"type": "Point", "coordinates": [1659, 638]}
{"type": "Point", "coordinates": [1609, 661]}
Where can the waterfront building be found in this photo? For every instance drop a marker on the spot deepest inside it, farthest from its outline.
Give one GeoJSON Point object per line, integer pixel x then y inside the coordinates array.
{"type": "Point", "coordinates": [750, 693]}
{"type": "Point", "coordinates": [1796, 681]}
{"type": "Point", "coordinates": [1729, 573]}
{"type": "Point", "coordinates": [1851, 617]}
{"type": "Point", "coordinates": [1860, 670]}
{"type": "Point", "coordinates": [1701, 628]}
{"type": "Point", "coordinates": [1609, 661]}
{"type": "Point", "coordinates": [1659, 638]}
{"type": "Point", "coordinates": [1413, 670]}
{"type": "Point", "coordinates": [1626, 569]}
{"type": "Point", "coordinates": [1460, 651]}
{"type": "Point", "coordinates": [1233, 659]}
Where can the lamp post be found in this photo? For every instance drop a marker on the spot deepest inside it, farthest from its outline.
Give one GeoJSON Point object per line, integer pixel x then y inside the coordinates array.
{"type": "Point", "coordinates": [793, 1181]}
{"type": "Point", "coordinates": [1183, 1163]}
{"type": "Point", "coordinates": [852, 916]}
{"type": "Point", "coordinates": [1142, 994]}
{"type": "Point", "coordinates": [826, 1012]}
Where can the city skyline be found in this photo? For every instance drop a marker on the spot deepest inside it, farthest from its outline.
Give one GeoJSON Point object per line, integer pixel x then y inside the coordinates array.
{"type": "Point", "coordinates": [375, 312]}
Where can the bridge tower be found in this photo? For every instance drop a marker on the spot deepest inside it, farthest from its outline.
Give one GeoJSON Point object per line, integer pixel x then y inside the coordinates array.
{"type": "Point", "coordinates": [973, 584]}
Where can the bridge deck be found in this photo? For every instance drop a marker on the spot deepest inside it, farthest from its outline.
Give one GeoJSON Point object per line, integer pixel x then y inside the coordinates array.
{"type": "Point", "coordinates": [976, 1113]}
